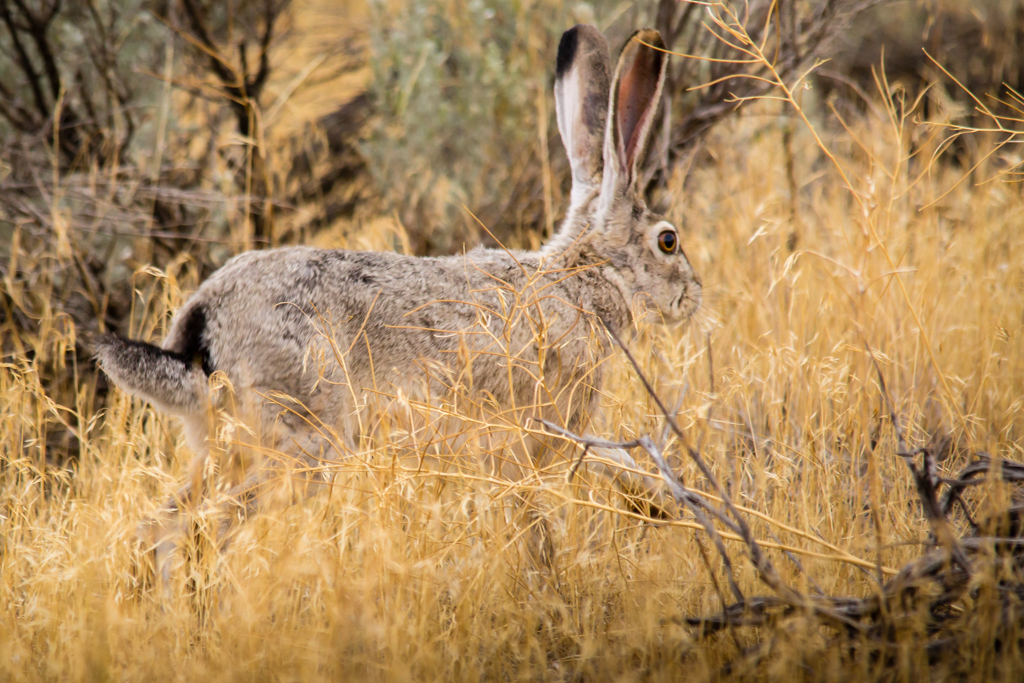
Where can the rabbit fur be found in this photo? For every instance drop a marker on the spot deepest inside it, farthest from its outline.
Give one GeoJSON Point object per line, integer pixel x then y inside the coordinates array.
{"type": "Point", "coordinates": [313, 341]}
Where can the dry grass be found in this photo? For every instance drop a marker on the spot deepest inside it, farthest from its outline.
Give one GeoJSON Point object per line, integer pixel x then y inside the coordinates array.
{"type": "Point", "coordinates": [401, 573]}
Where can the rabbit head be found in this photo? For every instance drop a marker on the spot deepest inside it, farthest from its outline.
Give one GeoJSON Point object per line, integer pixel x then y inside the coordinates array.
{"type": "Point", "coordinates": [605, 124]}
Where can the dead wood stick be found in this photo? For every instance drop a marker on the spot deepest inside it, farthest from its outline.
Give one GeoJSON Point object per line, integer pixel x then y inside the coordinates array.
{"type": "Point", "coordinates": [765, 569]}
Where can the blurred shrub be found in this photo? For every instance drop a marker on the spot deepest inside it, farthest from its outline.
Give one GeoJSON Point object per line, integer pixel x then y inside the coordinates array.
{"type": "Point", "coordinates": [980, 44]}
{"type": "Point", "coordinates": [459, 86]}
{"type": "Point", "coordinates": [81, 59]}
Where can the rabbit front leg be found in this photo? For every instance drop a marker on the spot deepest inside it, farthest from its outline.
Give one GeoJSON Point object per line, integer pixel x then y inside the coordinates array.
{"type": "Point", "coordinates": [642, 491]}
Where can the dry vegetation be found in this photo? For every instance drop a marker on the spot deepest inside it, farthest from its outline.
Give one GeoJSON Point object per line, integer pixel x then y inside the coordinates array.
{"type": "Point", "coordinates": [834, 253]}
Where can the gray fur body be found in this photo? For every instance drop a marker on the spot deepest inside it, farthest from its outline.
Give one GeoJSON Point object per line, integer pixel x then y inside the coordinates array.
{"type": "Point", "coordinates": [392, 316]}
{"type": "Point", "coordinates": [277, 321]}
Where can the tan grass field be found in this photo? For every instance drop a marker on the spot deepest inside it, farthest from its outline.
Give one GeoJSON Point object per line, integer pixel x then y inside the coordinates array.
{"type": "Point", "coordinates": [406, 573]}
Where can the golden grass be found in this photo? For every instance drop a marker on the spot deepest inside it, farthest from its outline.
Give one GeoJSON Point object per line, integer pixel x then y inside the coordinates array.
{"type": "Point", "coordinates": [402, 573]}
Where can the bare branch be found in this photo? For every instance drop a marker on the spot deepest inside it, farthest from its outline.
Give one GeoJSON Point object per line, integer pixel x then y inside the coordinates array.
{"type": "Point", "coordinates": [761, 562]}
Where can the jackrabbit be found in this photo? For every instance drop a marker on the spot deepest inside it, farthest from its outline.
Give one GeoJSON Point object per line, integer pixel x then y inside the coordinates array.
{"type": "Point", "coordinates": [316, 343]}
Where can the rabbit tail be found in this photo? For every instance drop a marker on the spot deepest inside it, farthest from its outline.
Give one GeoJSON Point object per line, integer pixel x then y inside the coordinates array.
{"type": "Point", "coordinates": [174, 378]}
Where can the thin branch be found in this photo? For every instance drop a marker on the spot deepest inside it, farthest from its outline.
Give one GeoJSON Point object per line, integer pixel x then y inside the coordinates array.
{"type": "Point", "coordinates": [761, 562]}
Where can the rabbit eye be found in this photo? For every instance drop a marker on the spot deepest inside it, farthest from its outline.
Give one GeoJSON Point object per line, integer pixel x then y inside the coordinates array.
{"type": "Point", "coordinates": [667, 241]}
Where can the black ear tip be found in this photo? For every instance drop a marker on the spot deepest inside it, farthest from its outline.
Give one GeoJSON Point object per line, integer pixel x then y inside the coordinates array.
{"type": "Point", "coordinates": [567, 47]}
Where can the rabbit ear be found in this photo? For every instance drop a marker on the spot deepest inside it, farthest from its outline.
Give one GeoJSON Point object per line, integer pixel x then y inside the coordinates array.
{"type": "Point", "coordinates": [635, 92]}
{"type": "Point", "coordinates": [581, 103]}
